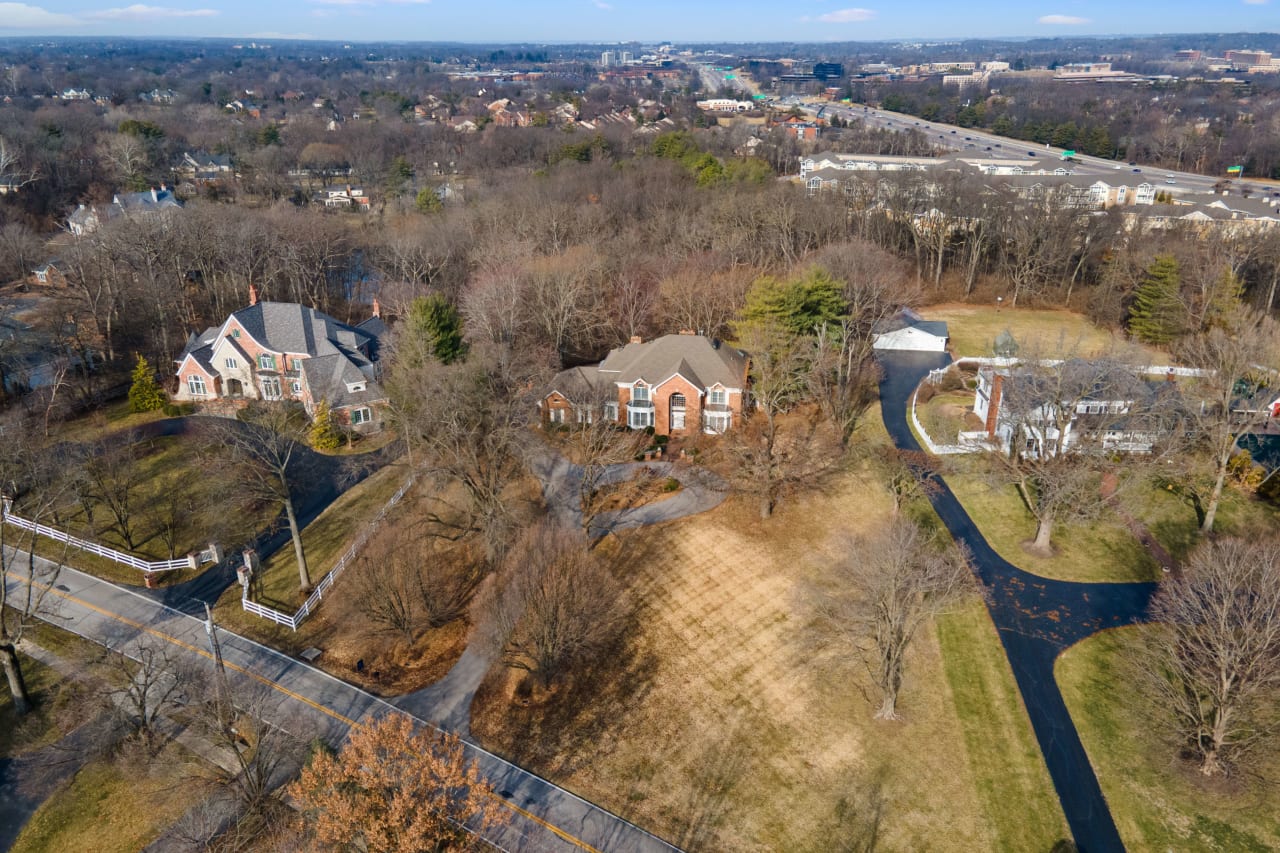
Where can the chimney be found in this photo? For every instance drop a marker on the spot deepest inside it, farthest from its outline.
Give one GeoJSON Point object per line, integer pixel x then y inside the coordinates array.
{"type": "Point", "coordinates": [377, 309]}
{"type": "Point", "coordinates": [153, 194]}
{"type": "Point", "coordinates": [164, 188]}
{"type": "Point", "coordinates": [253, 294]}
{"type": "Point", "coordinates": [636, 339]}
{"type": "Point", "coordinates": [687, 332]}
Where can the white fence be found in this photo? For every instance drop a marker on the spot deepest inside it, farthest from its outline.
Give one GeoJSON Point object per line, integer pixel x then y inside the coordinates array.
{"type": "Point", "coordinates": [969, 442]}
{"type": "Point", "coordinates": [326, 582]}
{"type": "Point", "coordinates": [191, 561]}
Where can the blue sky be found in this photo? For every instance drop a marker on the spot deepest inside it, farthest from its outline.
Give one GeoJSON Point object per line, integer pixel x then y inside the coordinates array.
{"type": "Point", "coordinates": [644, 20]}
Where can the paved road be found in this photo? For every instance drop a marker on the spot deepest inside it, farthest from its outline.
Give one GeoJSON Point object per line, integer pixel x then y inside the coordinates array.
{"type": "Point", "coordinates": [1036, 619]}
{"type": "Point", "coordinates": [311, 703]}
{"type": "Point", "coordinates": [975, 142]}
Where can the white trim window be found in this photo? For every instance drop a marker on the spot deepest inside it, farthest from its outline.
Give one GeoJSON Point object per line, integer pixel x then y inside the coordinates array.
{"type": "Point", "coordinates": [640, 393]}
{"type": "Point", "coordinates": [271, 388]}
{"type": "Point", "coordinates": [230, 362]}
{"type": "Point", "coordinates": [611, 411]}
{"type": "Point", "coordinates": [266, 362]}
{"type": "Point", "coordinates": [555, 415]}
{"type": "Point", "coordinates": [295, 386]}
{"type": "Point", "coordinates": [362, 415]}
{"type": "Point", "coordinates": [196, 386]}
{"type": "Point", "coordinates": [640, 418]}
{"type": "Point", "coordinates": [717, 397]}
{"type": "Point", "coordinates": [716, 422]}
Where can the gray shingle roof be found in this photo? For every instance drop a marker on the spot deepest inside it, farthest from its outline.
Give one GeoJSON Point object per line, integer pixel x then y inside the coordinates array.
{"type": "Point", "coordinates": [709, 362]}
{"type": "Point", "coordinates": [290, 327]}
{"type": "Point", "coordinates": [328, 377]}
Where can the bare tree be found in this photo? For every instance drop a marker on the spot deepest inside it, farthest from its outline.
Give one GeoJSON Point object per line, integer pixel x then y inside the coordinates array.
{"type": "Point", "coordinates": [112, 479]}
{"type": "Point", "coordinates": [265, 447]}
{"type": "Point", "coordinates": [1236, 358]}
{"type": "Point", "coordinates": [33, 484]}
{"type": "Point", "coordinates": [552, 603]}
{"type": "Point", "coordinates": [1211, 671]}
{"type": "Point", "coordinates": [598, 442]}
{"type": "Point", "coordinates": [405, 583]}
{"type": "Point", "coordinates": [880, 595]}
{"type": "Point", "coordinates": [1055, 416]}
{"type": "Point", "coordinates": [468, 420]}
{"type": "Point", "coordinates": [153, 684]}
{"type": "Point", "coordinates": [774, 457]}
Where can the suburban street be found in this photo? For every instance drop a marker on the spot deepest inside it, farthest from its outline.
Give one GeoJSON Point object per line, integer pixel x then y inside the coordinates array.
{"type": "Point", "coordinates": [977, 143]}
{"type": "Point", "coordinates": [1036, 619]}
{"type": "Point", "coordinates": [310, 703]}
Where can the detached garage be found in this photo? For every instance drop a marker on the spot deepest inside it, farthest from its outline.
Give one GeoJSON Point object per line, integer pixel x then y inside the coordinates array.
{"type": "Point", "coordinates": [907, 330]}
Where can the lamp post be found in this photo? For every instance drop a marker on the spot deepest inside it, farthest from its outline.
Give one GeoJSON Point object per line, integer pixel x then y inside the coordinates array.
{"type": "Point", "coordinates": [999, 302]}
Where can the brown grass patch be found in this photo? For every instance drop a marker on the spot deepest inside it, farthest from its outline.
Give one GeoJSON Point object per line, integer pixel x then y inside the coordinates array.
{"type": "Point", "coordinates": [718, 723]}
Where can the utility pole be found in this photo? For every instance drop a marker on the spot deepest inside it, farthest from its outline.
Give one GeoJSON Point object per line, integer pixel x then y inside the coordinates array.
{"type": "Point", "coordinates": [222, 690]}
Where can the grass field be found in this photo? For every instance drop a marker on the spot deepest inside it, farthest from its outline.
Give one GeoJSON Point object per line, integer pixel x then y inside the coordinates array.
{"type": "Point", "coordinates": [1158, 803]}
{"type": "Point", "coordinates": [1096, 551]}
{"type": "Point", "coordinates": [1012, 781]}
{"type": "Point", "coordinates": [729, 722]}
{"type": "Point", "coordinates": [1044, 333]}
{"type": "Point", "coordinates": [108, 808]}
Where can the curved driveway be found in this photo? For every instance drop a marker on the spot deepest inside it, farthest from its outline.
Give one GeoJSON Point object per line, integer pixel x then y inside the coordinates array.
{"type": "Point", "coordinates": [1036, 618]}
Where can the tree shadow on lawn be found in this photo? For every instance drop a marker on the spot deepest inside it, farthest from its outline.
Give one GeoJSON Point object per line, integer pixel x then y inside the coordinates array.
{"type": "Point", "coordinates": [558, 736]}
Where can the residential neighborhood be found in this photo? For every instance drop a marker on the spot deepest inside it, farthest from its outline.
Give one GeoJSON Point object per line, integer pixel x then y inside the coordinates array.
{"type": "Point", "coordinates": [436, 430]}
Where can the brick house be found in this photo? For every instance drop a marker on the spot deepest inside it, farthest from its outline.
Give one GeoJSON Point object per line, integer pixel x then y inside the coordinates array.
{"type": "Point", "coordinates": [677, 384]}
{"type": "Point", "coordinates": [286, 351]}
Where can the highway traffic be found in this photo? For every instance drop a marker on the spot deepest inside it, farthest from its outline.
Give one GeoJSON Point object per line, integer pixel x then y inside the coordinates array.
{"type": "Point", "coordinates": [979, 143]}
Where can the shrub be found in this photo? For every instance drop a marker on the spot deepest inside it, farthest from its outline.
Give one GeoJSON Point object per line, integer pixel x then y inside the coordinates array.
{"type": "Point", "coordinates": [671, 484]}
{"type": "Point", "coordinates": [145, 394]}
{"type": "Point", "coordinates": [661, 440]}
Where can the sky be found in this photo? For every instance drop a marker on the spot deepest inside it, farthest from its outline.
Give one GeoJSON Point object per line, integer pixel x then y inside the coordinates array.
{"type": "Point", "coordinates": [494, 21]}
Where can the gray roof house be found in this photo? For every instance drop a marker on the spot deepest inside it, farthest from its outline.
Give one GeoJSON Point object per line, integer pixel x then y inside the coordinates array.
{"type": "Point", "coordinates": [287, 351]}
{"type": "Point", "coordinates": [87, 219]}
{"type": "Point", "coordinates": [676, 384]}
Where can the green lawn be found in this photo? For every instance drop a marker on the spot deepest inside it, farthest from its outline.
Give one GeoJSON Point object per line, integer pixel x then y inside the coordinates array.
{"type": "Point", "coordinates": [1042, 332]}
{"type": "Point", "coordinates": [1009, 772]}
{"type": "Point", "coordinates": [943, 416]}
{"type": "Point", "coordinates": [1173, 521]}
{"type": "Point", "coordinates": [324, 541]}
{"type": "Point", "coordinates": [1098, 551]}
{"type": "Point", "coordinates": [111, 418]}
{"type": "Point", "coordinates": [107, 808]}
{"type": "Point", "coordinates": [1157, 803]}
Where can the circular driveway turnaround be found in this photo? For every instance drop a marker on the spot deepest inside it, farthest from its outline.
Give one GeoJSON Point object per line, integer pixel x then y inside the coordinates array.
{"type": "Point", "coordinates": [1036, 619]}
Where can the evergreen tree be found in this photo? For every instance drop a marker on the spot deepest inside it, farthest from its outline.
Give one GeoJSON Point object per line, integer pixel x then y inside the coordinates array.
{"type": "Point", "coordinates": [798, 306]}
{"type": "Point", "coordinates": [434, 321]}
{"type": "Point", "coordinates": [427, 201]}
{"type": "Point", "coordinates": [145, 394]}
{"type": "Point", "coordinates": [324, 433]}
{"type": "Point", "coordinates": [1158, 315]}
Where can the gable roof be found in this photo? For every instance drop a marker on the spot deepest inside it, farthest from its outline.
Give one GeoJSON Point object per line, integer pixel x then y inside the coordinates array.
{"type": "Point", "coordinates": [905, 318]}
{"type": "Point", "coordinates": [697, 358]}
{"type": "Point", "coordinates": [294, 328]}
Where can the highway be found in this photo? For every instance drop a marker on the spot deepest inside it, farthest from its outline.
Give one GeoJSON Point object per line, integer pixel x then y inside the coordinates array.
{"type": "Point", "coordinates": [978, 143]}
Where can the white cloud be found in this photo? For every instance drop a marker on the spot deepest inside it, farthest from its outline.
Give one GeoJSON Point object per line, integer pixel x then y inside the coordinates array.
{"type": "Point", "coordinates": [139, 12]}
{"type": "Point", "coordinates": [600, 4]}
{"type": "Point", "coordinates": [20, 16]}
{"type": "Point", "coordinates": [1062, 20]}
{"type": "Point", "coordinates": [1256, 2]}
{"type": "Point", "coordinates": [847, 16]}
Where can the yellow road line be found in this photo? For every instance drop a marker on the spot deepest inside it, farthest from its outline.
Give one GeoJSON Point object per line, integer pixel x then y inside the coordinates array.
{"type": "Point", "coordinates": [275, 685]}
{"type": "Point", "coordinates": [549, 827]}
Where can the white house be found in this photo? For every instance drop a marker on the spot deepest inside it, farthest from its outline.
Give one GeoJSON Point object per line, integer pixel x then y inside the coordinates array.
{"type": "Point", "coordinates": [907, 330]}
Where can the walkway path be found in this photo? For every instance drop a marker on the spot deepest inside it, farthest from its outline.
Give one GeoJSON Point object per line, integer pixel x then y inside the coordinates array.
{"type": "Point", "coordinates": [700, 490]}
{"type": "Point", "coordinates": [311, 703]}
{"type": "Point", "coordinates": [1036, 618]}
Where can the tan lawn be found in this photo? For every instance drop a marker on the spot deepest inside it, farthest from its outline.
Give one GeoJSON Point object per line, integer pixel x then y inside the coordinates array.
{"type": "Point", "coordinates": [1046, 332]}
{"type": "Point", "coordinates": [728, 723]}
{"type": "Point", "coordinates": [1158, 803]}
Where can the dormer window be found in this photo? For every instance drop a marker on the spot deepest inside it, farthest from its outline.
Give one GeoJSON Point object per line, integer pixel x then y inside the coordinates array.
{"type": "Point", "coordinates": [353, 387]}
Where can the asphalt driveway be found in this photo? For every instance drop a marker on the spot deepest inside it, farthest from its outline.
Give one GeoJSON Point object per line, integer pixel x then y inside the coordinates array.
{"type": "Point", "coordinates": [1036, 618]}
